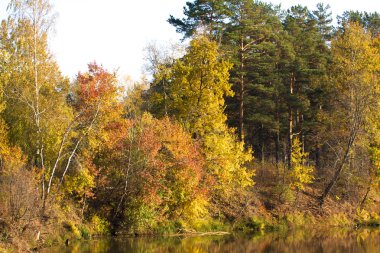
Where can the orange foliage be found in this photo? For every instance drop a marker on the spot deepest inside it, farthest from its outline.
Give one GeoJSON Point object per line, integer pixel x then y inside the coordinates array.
{"type": "Point", "coordinates": [95, 84]}
{"type": "Point", "coordinates": [175, 164]}
{"type": "Point", "coordinates": [159, 162]}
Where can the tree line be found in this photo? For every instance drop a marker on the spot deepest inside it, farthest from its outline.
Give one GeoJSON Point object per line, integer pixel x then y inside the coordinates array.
{"type": "Point", "coordinates": [177, 152]}
{"type": "Point", "coordinates": [296, 76]}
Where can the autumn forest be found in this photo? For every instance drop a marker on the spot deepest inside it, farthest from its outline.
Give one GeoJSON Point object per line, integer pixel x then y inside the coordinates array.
{"type": "Point", "coordinates": [259, 117]}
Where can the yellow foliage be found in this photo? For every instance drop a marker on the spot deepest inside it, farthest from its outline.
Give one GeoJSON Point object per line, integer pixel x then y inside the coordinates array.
{"type": "Point", "coordinates": [100, 226]}
{"type": "Point", "coordinates": [195, 214]}
{"type": "Point", "coordinates": [301, 174]}
{"type": "Point", "coordinates": [200, 84]}
{"type": "Point", "coordinates": [367, 218]}
{"type": "Point", "coordinates": [12, 158]}
{"type": "Point", "coordinates": [339, 220]}
{"type": "Point", "coordinates": [194, 94]}
{"type": "Point", "coordinates": [375, 157]}
{"type": "Point", "coordinates": [80, 183]}
{"type": "Point", "coordinates": [226, 159]}
{"type": "Point", "coordinates": [74, 229]}
{"type": "Point", "coordinates": [363, 215]}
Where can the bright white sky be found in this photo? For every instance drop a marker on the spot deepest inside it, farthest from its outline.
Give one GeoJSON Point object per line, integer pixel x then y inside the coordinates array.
{"type": "Point", "coordinates": [115, 32]}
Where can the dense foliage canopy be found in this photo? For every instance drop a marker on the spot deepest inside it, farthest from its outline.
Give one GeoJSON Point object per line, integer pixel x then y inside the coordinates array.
{"type": "Point", "coordinates": [175, 153]}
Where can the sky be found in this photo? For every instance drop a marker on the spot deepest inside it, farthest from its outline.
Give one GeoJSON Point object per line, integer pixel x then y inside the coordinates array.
{"type": "Point", "coordinates": [114, 32]}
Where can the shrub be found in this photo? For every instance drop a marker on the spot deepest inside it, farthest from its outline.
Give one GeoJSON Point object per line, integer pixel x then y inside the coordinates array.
{"type": "Point", "coordinates": [85, 232]}
{"type": "Point", "coordinates": [100, 226]}
{"type": "Point", "coordinates": [284, 193]}
{"type": "Point", "coordinates": [254, 224]}
{"type": "Point", "coordinates": [339, 220]}
{"type": "Point", "coordinates": [301, 174]}
{"type": "Point", "coordinates": [70, 225]}
{"type": "Point", "coordinates": [299, 219]}
{"type": "Point", "coordinates": [366, 218]}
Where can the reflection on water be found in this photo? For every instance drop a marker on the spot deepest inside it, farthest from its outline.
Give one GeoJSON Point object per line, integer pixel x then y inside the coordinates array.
{"type": "Point", "coordinates": [362, 240]}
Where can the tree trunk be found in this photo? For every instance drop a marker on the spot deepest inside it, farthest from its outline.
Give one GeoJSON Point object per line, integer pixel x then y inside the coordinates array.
{"type": "Point", "coordinates": [165, 97]}
{"type": "Point", "coordinates": [241, 94]}
{"type": "Point", "coordinates": [365, 196]}
{"type": "Point", "coordinates": [290, 134]}
{"type": "Point", "coordinates": [318, 157]}
{"type": "Point", "coordinates": [341, 166]}
{"type": "Point", "coordinates": [277, 141]}
{"type": "Point", "coordinates": [263, 153]}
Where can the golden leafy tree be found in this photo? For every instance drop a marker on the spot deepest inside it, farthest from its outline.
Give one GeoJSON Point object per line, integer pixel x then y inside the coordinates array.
{"type": "Point", "coordinates": [355, 79]}
{"type": "Point", "coordinates": [35, 91]}
{"type": "Point", "coordinates": [197, 86]}
{"type": "Point", "coordinates": [96, 104]}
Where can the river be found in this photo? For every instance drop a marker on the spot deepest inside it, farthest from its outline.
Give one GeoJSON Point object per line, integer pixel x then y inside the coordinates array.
{"type": "Point", "coordinates": [298, 240]}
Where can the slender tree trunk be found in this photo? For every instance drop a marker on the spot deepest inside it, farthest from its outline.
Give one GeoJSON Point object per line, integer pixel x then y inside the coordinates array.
{"type": "Point", "coordinates": [241, 93]}
{"type": "Point", "coordinates": [241, 110]}
{"type": "Point", "coordinates": [72, 154]}
{"type": "Point", "coordinates": [302, 137]}
{"type": "Point", "coordinates": [318, 146]}
{"type": "Point", "coordinates": [290, 134]}
{"type": "Point", "coordinates": [366, 195]}
{"type": "Point", "coordinates": [263, 153]}
{"type": "Point", "coordinates": [58, 158]}
{"type": "Point", "coordinates": [277, 141]}
{"type": "Point", "coordinates": [165, 96]}
{"type": "Point", "coordinates": [337, 173]}
{"type": "Point", "coordinates": [36, 86]}
{"type": "Point", "coordinates": [318, 157]}
{"type": "Point", "coordinates": [127, 170]}
{"type": "Point", "coordinates": [36, 111]}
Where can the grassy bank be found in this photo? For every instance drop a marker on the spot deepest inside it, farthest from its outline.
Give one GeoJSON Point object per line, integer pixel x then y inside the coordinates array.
{"type": "Point", "coordinates": [57, 232]}
{"type": "Point", "coordinates": [272, 205]}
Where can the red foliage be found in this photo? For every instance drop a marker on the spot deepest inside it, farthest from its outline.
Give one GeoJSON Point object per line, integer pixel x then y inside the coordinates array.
{"type": "Point", "coordinates": [95, 85]}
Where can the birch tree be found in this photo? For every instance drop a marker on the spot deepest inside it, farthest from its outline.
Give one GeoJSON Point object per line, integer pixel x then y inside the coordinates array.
{"type": "Point", "coordinates": [356, 80]}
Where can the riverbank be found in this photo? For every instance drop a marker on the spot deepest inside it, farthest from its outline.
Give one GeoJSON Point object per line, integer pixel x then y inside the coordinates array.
{"type": "Point", "coordinates": [271, 205]}
{"type": "Point", "coordinates": [295, 240]}
{"type": "Point", "coordinates": [281, 219]}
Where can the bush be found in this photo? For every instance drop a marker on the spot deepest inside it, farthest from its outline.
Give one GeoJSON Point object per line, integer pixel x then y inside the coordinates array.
{"type": "Point", "coordinates": [299, 219]}
{"type": "Point", "coordinates": [70, 225]}
{"type": "Point", "coordinates": [301, 174]}
{"type": "Point", "coordinates": [85, 232]}
{"type": "Point", "coordinates": [4, 231]}
{"type": "Point", "coordinates": [140, 218]}
{"type": "Point", "coordinates": [19, 199]}
{"type": "Point", "coordinates": [284, 193]}
{"type": "Point", "coordinates": [365, 218]}
{"type": "Point", "coordinates": [254, 224]}
{"type": "Point", "coordinates": [100, 226]}
{"type": "Point", "coordinates": [3, 250]}
{"type": "Point", "coordinates": [339, 220]}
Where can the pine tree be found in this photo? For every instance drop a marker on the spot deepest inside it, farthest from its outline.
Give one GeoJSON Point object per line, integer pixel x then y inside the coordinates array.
{"type": "Point", "coordinates": [202, 14]}
{"type": "Point", "coordinates": [369, 20]}
{"type": "Point", "coordinates": [310, 61]}
{"type": "Point", "coordinates": [324, 21]}
{"type": "Point", "coordinates": [257, 45]}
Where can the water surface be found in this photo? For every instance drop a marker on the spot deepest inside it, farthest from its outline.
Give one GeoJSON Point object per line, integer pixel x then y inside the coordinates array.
{"type": "Point", "coordinates": [300, 240]}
